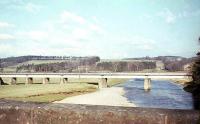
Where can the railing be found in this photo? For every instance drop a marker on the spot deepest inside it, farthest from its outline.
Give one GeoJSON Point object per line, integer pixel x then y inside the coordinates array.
{"type": "Point", "coordinates": [99, 75]}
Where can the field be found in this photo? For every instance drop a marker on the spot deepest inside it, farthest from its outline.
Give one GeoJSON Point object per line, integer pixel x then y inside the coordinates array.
{"type": "Point", "coordinates": [51, 92]}
{"type": "Point", "coordinates": [35, 62]}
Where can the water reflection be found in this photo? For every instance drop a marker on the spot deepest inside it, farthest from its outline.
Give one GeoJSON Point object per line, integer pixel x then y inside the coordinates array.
{"type": "Point", "coordinates": [164, 94]}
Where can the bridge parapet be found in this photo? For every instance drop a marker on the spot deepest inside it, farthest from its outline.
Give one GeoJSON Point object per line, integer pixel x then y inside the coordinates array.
{"type": "Point", "coordinates": [12, 112]}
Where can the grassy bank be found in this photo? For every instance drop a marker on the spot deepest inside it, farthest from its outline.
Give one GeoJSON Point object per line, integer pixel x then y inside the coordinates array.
{"type": "Point", "coordinates": [114, 81]}
{"type": "Point", "coordinates": [183, 82]}
{"type": "Point", "coordinates": [44, 93]}
{"type": "Point", "coordinates": [50, 92]}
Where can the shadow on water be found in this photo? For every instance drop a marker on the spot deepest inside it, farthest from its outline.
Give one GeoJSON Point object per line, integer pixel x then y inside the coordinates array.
{"type": "Point", "coordinates": [164, 94]}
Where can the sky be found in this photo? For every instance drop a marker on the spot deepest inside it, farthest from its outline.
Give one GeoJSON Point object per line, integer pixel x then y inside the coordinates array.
{"type": "Point", "coordinates": [110, 29]}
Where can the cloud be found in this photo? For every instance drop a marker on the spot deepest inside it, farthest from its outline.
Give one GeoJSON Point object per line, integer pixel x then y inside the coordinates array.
{"type": "Point", "coordinates": [35, 35]}
{"type": "Point", "coordinates": [67, 16]}
{"type": "Point", "coordinates": [167, 15]}
{"type": "Point", "coordinates": [77, 38]}
{"type": "Point", "coordinates": [143, 43]}
{"type": "Point", "coordinates": [20, 5]}
{"type": "Point", "coordinates": [5, 47]}
{"type": "Point", "coordinates": [171, 17]}
{"type": "Point", "coordinates": [5, 37]}
{"type": "Point", "coordinates": [146, 47]}
{"type": "Point", "coordinates": [79, 27]}
{"type": "Point", "coordinates": [136, 43]}
{"type": "Point", "coordinates": [6, 50]}
{"type": "Point", "coordinates": [95, 19]}
{"type": "Point", "coordinates": [11, 4]}
{"type": "Point", "coordinates": [97, 28]}
{"type": "Point", "coordinates": [6, 25]}
{"type": "Point", "coordinates": [32, 8]}
{"type": "Point", "coordinates": [79, 33]}
{"type": "Point", "coordinates": [186, 14]}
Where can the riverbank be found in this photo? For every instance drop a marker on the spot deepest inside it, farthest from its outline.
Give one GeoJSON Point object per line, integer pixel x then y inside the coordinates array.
{"type": "Point", "coordinates": [54, 91]}
{"type": "Point", "coordinates": [44, 93]}
{"type": "Point", "coordinates": [109, 96]}
{"type": "Point", "coordinates": [183, 82]}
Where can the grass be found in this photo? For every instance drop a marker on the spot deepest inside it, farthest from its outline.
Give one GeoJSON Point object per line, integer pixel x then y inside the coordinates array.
{"type": "Point", "coordinates": [183, 82]}
{"type": "Point", "coordinates": [50, 92]}
{"type": "Point", "coordinates": [44, 93]}
{"type": "Point", "coordinates": [35, 62]}
{"type": "Point", "coordinates": [114, 81]}
{"type": "Point", "coordinates": [42, 98]}
{"type": "Point", "coordinates": [51, 97]}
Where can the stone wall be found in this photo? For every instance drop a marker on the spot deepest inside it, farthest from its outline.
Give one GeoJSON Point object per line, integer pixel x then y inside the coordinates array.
{"type": "Point", "coordinates": [42, 113]}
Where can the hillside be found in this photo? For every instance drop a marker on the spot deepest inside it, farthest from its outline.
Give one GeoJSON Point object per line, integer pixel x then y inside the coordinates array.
{"type": "Point", "coordinates": [93, 64]}
{"type": "Point", "coordinates": [171, 63]}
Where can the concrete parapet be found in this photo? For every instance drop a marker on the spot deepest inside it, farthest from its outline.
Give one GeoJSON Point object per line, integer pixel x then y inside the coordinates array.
{"type": "Point", "coordinates": [44, 113]}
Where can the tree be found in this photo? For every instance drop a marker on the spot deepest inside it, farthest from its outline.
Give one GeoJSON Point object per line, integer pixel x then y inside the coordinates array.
{"type": "Point", "coordinates": [194, 86]}
{"type": "Point", "coordinates": [196, 69]}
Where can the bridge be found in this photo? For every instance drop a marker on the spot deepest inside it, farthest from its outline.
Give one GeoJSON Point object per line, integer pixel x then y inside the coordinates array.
{"type": "Point", "coordinates": [103, 77]}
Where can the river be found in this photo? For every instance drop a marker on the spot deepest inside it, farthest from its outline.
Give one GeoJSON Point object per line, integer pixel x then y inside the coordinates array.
{"type": "Point", "coordinates": [163, 94]}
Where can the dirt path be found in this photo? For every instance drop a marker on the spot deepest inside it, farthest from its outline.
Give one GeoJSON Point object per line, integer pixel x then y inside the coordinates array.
{"type": "Point", "coordinates": [109, 96]}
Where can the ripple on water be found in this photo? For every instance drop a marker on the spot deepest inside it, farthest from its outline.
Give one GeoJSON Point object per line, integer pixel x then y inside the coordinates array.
{"type": "Point", "coordinates": [164, 94]}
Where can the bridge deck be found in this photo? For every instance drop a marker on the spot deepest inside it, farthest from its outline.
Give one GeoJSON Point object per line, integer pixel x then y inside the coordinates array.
{"type": "Point", "coordinates": [98, 75]}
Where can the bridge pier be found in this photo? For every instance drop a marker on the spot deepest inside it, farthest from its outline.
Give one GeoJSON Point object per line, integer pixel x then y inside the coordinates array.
{"type": "Point", "coordinates": [13, 80]}
{"type": "Point", "coordinates": [63, 80]}
{"type": "Point", "coordinates": [29, 80]}
{"type": "Point", "coordinates": [45, 80]}
{"type": "Point", "coordinates": [1, 81]}
{"type": "Point", "coordinates": [103, 83]}
{"type": "Point", "coordinates": [147, 84]}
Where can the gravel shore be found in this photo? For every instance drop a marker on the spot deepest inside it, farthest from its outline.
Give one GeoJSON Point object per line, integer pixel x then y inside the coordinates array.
{"type": "Point", "coordinates": [109, 96]}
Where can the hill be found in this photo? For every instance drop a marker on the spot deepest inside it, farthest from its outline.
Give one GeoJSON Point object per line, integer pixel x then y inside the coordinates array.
{"type": "Point", "coordinates": [93, 64]}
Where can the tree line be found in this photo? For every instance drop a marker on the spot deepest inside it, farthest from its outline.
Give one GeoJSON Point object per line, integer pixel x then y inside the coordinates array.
{"type": "Point", "coordinates": [10, 61]}
{"type": "Point", "coordinates": [93, 63]}
{"type": "Point", "coordinates": [66, 66]}
{"type": "Point", "coordinates": [124, 66]}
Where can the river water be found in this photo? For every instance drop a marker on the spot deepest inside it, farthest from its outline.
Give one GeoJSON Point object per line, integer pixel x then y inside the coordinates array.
{"type": "Point", "coordinates": [163, 94]}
